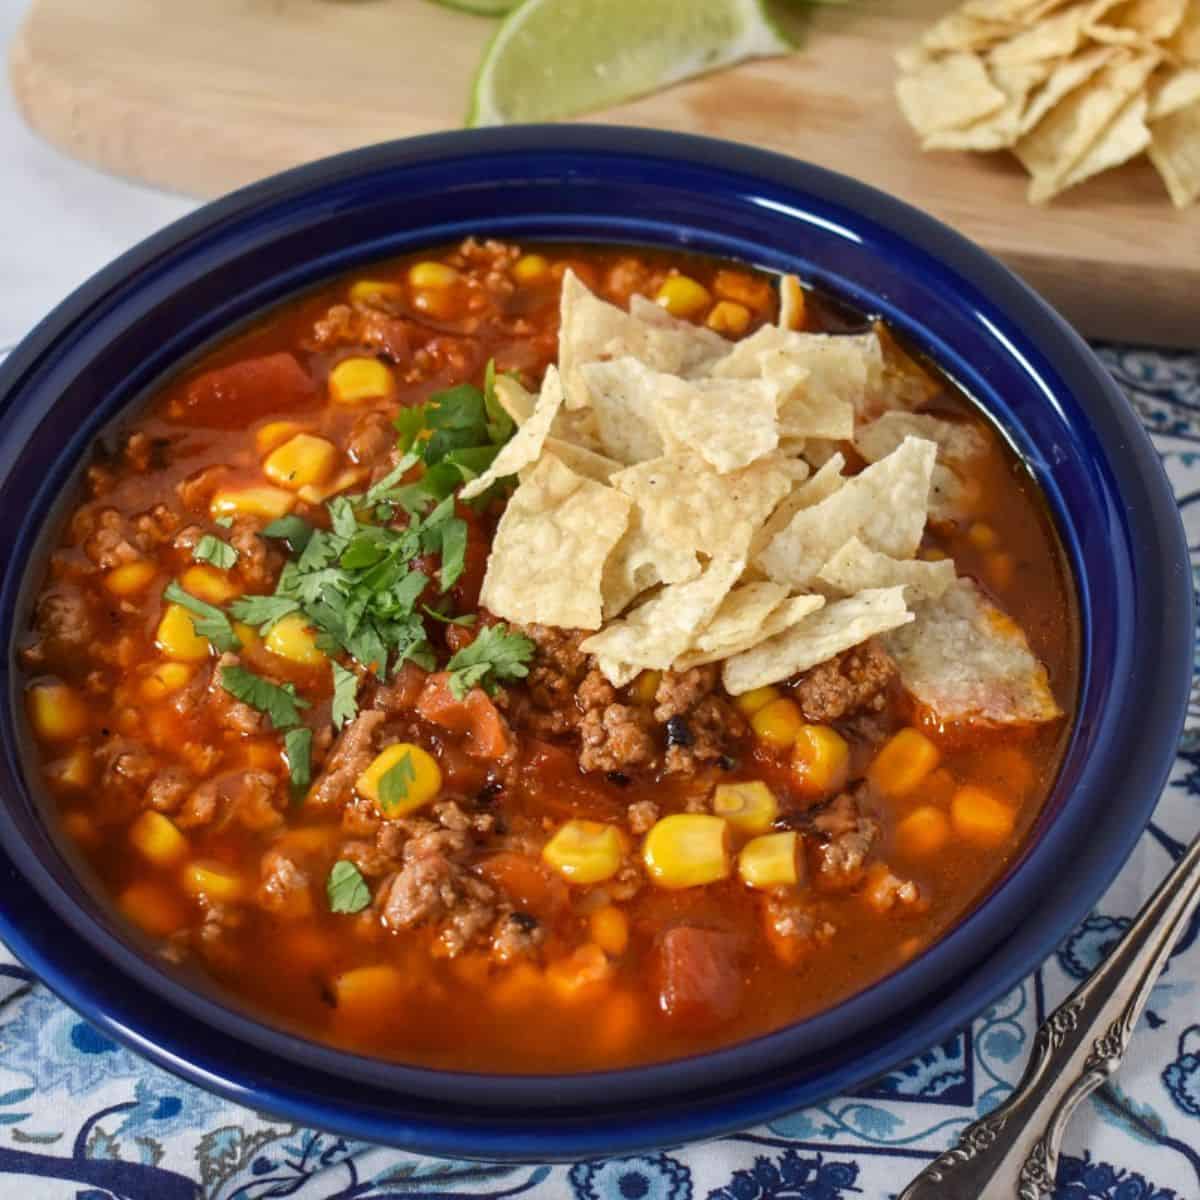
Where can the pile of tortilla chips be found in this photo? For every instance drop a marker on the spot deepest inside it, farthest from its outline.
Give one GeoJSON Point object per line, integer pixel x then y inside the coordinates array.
{"type": "Point", "coordinates": [668, 502]}
{"type": "Point", "coordinates": [1072, 89]}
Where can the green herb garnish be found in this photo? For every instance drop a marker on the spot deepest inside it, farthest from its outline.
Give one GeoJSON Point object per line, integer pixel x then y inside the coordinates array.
{"type": "Point", "coordinates": [345, 696]}
{"type": "Point", "coordinates": [207, 620]}
{"type": "Point", "coordinates": [278, 701]}
{"type": "Point", "coordinates": [263, 611]}
{"type": "Point", "coordinates": [211, 549]}
{"type": "Point", "coordinates": [393, 784]}
{"type": "Point", "coordinates": [225, 522]}
{"type": "Point", "coordinates": [294, 530]}
{"type": "Point", "coordinates": [494, 656]}
{"type": "Point", "coordinates": [346, 888]}
{"type": "Point", "coordinates": [298, 744]}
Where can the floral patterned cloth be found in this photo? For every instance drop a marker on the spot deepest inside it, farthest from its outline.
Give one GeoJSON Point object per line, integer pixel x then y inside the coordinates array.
{"type": "Point", "coordinates": [83, 1118]}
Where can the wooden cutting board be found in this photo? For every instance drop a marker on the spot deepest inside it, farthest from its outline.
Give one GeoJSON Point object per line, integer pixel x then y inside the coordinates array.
{"type": "Point", "coordinates": [201, 98]}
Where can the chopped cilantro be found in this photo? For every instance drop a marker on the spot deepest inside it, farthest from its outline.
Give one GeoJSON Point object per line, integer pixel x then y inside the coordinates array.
{"type": "Point", "coordinates": [494, 656]}
{"type": "Point", "coordinates": [346, 888]}
{"type": "Point", "coordinates": [454, 552]}
{"type": "Point", "coordinates": [211, 549]}
{"type": "Point", "coordinates": [224, 522]}
{"type": "Point", "coordinates": [291, 529]}
{"type": "Point", "coordinates": [345, 696]}
{"type": "Point", "coordinates": [298, 744]}
{"type": "Point", "coordinates": [208, 620]}
{"type": "Point", "coordinates": [393, 785]}
{"type": "Point", "coordinates": [500, 424]}
{"type": "Point", "coordinates": [263, 611]}
{"type": "Point", "coordinates": [466, 619]}
{"type": "Point", "coordinates": [341, 516]}
{"type": "Point", "coordinates": [278, 701]}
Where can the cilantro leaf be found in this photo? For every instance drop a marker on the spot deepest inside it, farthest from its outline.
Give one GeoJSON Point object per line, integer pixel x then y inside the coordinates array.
{"type": "Point", "coordinates": [341, 515]}
{"type": "Point", "coordinates": [291, 529]}
{"type": "Point", "coordinates": [346, 888]}
{"type": "Point", "coordinates": [298, 745]}
{"type": "Point", "coordinates": [467, 619]}
{"type": "Point", "coordinates": [345, 696]}
{"type": "Point", "coordinates": [211, 549]}
{"type": "Point", "coordinates": [378, 491]}
{"type": "Point", "coordinates": [278, 701]}
{"type": "Point", "coordinates": [500, 424]}
{"type": "Point", "coordinates": [495, 655]}
{"type": "Point", "coordinates": [208, 620]}
{"type": "Point", "coordinates": [225, 522]}
{"type": "Point", "coordinates": [408, 423]}
{"type": "Point", "coordinates": [454, 552]}
{"type": "Point", "coordinates": [322, 548]}
{"type": "Point", "coordinates": [263, 611]}
{"type": "Point", "coordinates": [393, 784]}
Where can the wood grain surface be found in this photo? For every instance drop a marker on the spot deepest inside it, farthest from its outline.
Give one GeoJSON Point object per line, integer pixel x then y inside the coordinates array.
{"type": "Point", "coordinates": [201, 98]}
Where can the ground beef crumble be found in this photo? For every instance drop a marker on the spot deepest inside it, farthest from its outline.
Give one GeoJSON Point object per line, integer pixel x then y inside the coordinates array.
{"type": "Point", "coordinates": [855, 681]}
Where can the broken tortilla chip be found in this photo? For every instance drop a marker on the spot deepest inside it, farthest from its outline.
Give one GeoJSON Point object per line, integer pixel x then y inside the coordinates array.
{"type": "Point", "coordinates": [622, 395]}
{"type": "Point", "coordinates": [947, 93]}
{"type": "Point", "coordinates": [1175, 153]}
{"type": "Point", "coordinates": [828, 631]}
{"type": "Point", "coordinates": [964, 659]}
{"type": "Point", "coordinates": [728, 423]}
{"type": "Point", "coordinates": [856, 567]}
{"type": "Point", "coordinates": [548, 555]}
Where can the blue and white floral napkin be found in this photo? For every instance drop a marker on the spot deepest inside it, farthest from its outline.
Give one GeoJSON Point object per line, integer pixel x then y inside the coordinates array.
{"type": "Point", "coordinates": [85, 1119]}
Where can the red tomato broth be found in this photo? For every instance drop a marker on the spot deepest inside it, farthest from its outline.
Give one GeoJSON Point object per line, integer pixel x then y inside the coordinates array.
{"type": "Point", "coordinates": [471, 1011]}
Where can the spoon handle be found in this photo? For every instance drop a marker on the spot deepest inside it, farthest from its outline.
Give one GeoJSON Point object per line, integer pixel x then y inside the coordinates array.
{"type": "Point", "coordinates": [1012, 1153]}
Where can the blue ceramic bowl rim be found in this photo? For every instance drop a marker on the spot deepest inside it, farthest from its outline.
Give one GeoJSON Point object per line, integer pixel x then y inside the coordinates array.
{"type": "Point", "coordinates": [471, 1114]}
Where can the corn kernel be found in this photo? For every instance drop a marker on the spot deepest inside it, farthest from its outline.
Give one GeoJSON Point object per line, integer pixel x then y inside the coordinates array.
{"type": "Point", "coordinates": [246, 634]}
{"type": "Point", "coordinates": [209, 583]}
{"type": "Point", "coordinates": [682, 296]}
{"type": "Point", "coordinates": [373, 996]}
{"type": "Point", "coordinates": [177, 637]}
{"type": "Point", "coordinates": [923, 832]}
{"type": "Point", "coordinates": [75, 770]}
{"type": "Point", "coordinates": [770, 861]}
{"type": "Point", "coordinates": [301, 461]}
{"type": "Point", "coordinates": [214, 881]}
{"type": "Point", "coordinates": [372, 291]}
{"type": "Point", "coordinates": [778, 723]}
{"type": "Point", "coordinates": [1000, 568]}
{"type": "Point", "coordinates": [531, 268]}
{"type": "Point", "coordinates": [792, 306]}
{"type": "Point", "coordinates": [646, 685]}
{"type": "Point", "coordinates": [687, 850]}
{"type": "Point", "coordinates": [158, 838]}
{"type": "Point", "coordinates": [982, 536]}
{"type": "Point", "coordinates": [422, 785]}
{"type": "Point", "coordinates": [165, 679]}
{"type": "Point", "coordinates": [933, 554]}
{"type": "Point", "coordinates": [750, 702]}
{"type": "Point", "coordinates": [275, 433]}
{"type": "Point", "coordinates": [293, 638]}
{"type": "Point", "coordinates": [130, 578]}
{"type": "Point", "coordinates": [270, 503]}
{"type": "Point", "coordinates": [729, 318]}
{"type": "Point", "coordinates": [979, 817]}
{"type": "Point", "coordinates": [260, 753]}
{"type": "Point", "coordinates": [585, 851]}
{"type": "Point", "coordinates": [354, 380]}
{"type": "Point", "coordinates": [572, 975]}
{"type": "Point", "coordinates": [154, 908]}
{"type": "Point", "coordinates": [610, 930]}
{"type": "Point", "coordinates": [907, 758]}
{"type": "Point", "coordinates": [753, 291]}
{"type": "Point", "coordinates": [748, 807]}
{"type": "Point", "coordinates": [820, 759]}
{"type": "Point", "coordinates": [345, 479]}
{"type": "Point", "coordinates": [56, 712]}
{"type": "Point", "coordinates": [432, 276]}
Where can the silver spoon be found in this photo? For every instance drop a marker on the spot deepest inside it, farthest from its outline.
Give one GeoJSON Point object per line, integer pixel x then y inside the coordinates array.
{"type": "Point", "coordinates": [1012, 1153]}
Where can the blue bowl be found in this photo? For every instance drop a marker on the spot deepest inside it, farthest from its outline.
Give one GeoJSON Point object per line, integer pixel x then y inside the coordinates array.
{"type": "Point", "coordinates": [170, 296]}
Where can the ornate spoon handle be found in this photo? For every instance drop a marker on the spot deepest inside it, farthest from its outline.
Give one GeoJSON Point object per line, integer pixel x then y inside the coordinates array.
{"type": "Point", "coordinates": [1013, 1152]}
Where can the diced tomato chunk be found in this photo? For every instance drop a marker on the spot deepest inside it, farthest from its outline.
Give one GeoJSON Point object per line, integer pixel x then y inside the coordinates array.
{"type": "Point", "coordinates": [233, 396]}
{"type": "Point", "coordinates": [699, 982]}
{"type": "Point", "coordinates": [475, 715]}
{"type": "Point", "coordinates": [531, 885]}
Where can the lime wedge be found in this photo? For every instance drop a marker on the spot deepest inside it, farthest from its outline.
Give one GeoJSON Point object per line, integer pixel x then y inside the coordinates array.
{"type": "Point", "coordinates": [556, 58]}
{"type": "Point", "coordinates": [485, 8]}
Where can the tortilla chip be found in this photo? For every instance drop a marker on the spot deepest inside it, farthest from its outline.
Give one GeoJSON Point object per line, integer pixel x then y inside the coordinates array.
{"type": "Point", "coordinates": [694, 346]}
{"type": "Point", "coordinates": [653, 635]}
{"type": "Point", "coordinates": [640, 560]}
{"type": "Point", "coordinates": [526, 444]}
{"type": "Point", "coordinates": [948, 93]}
{"type": "Point", "coordinates": [514, 399]}
{"type": "Point", "coordinates": [1065, 78]}
{"type": "Point", "coordinates": [1175, 153]}
{"type": "Point", "coordinates": [959, 30]}
{"type": "Point", "coordinates": [1001, 128]}
{"type": "Point", "coordinates": [1054, 38]}
{"type": "Point", "coordinates": [1184, 44]}
{"type": "Point", "coordinates": [966, 660]}
{"type": "Point", "coordinates": [829, 631]}
{"type": "Point", "coordinates": [548, 555]}
{"type": "Point", "coordinates": [583, 461]}
{"type": "Point", "coordinates": [1138, 22]}
{"type": "Point", "coordinates": [1052, 151]}
{"type": "Point", "coordinates": [1125, 137]}
{"type": "Point", "coordinates": [737, 623]}
{"type": "Point", "coordinates": [791, 302]}
{"type": "Point", "coordinates": [856, 567]}
{"type": "Point", "coordinates": [783, 616]}
{"type": "Point", "coordinates": [1171, 89]}
{"type": "Point", "coordinates": [729, 423]}
{"type": "Point", "coordinates": [622, 395]}
{"type": "Point", "coordinates": [807, 493]}
{"type": "Point", "coordinates": [687, 506]}
{"type": "Point", "coordinates": [884, 505]}
{"type": "Point", "coordinates": [957, 442]}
